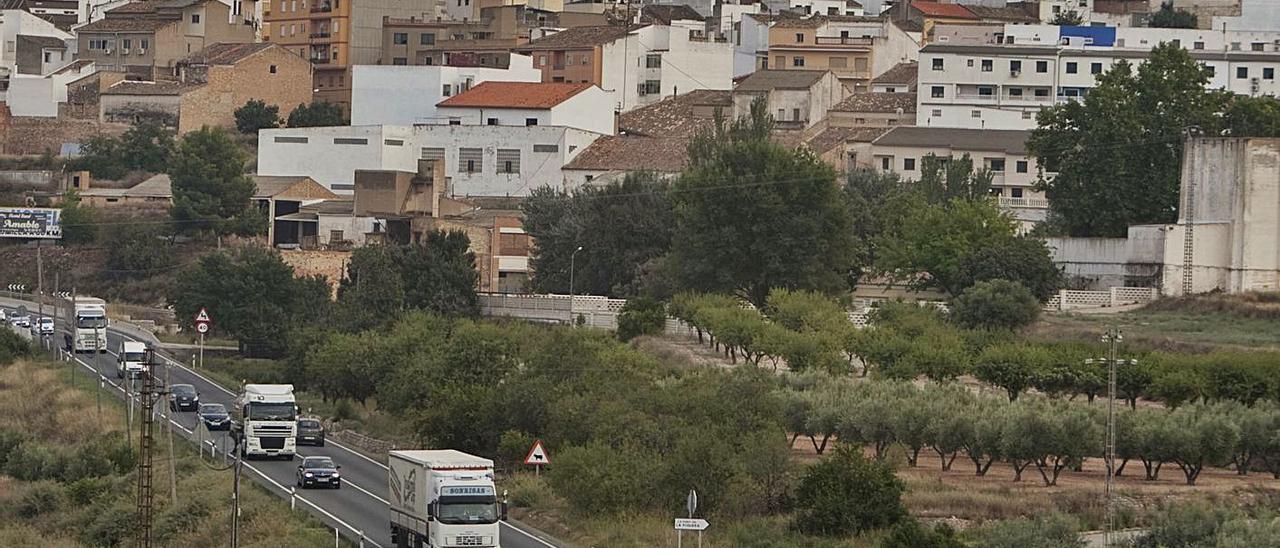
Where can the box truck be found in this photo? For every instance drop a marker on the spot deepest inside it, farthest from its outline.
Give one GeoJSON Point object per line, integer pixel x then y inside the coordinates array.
{"type": "Point", "coordinates": [86, 323]}
{"type": "Point", "coordinates": [443, 498]}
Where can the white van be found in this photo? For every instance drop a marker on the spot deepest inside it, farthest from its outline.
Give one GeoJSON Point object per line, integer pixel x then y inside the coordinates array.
{"type": "Point", "coordinates": [131, 359]}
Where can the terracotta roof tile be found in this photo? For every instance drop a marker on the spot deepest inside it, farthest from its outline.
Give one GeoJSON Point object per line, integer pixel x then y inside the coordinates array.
{"type": "Point", "coordinates": [126, 24]}
{"type": "Point", "coordinates": [948, 11]}
{"type": "Point", "coordinates": [675, 116]}
{"type": "Point", "coordinates": [1008, 13]}
{"type": "Point", "coordinates": [877, 102]}
{"type": "Point", "coordinates": [228, 53]}
{"type": "Point", "coordinates": [664, 14]}
{"type": "Point", "coordinates": [835, 136]}
{"type": "Point", "coordinates": [1002, 140]}
{"type": "Point", "coordinates": [132, 87]}
{"type": "Point", "coordinates": [579, 37]}
{"type": "Point", "coordinates": [42, 41]}
{"type": "Point", "coordinates": [539, 95]}
{"type": "Point", "coordinates": [766, 80]}
{"type": "Point", "coordinates": [901, 73]}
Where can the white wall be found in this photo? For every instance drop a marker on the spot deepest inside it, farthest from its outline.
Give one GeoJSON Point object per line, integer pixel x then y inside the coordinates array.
{"type": "Point", "coordinates": [399, 147]}
{"type": "Point", "coordinates": [589, 110]}
{"type": "Point", "coordinates": [686, 65]}
{"type": "Point", "coordinates": [353, 228]}
{"type": "Point", "coordinates": [15, 22]}
{"type": "Point", "coordinates": [31, 95]}
{"type": "Point", "coordinates": [406, 95]}
{"type": "Point", "coordinates": [1254, 15]}
{"type": "Point", "coordinates": [752, 41]}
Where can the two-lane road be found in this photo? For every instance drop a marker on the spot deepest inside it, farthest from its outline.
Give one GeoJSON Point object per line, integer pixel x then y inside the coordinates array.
{"type": "Point", "coordinates": [359, 508]}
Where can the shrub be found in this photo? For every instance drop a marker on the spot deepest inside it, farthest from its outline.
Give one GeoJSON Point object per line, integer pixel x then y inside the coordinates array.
{"type": "Point", "coordinates": [846, 493]}
{"type": "Point", "coordinates": [1055, 531]}
{"type": "Point", "coordinates": [41, 498]}
{"type": "Point", "coordinates": [641, 316]}
{"type": "Point", "coordinates": [910, 533]}
{"type": "Point", "coordinates": [528, 491]}
{"type": "Point", "coordinates": [256, 115]}
{"type": "Point", "coordinates": [599, 479]}
{"type": "Point", "coordinates": [996, 304]}
{"type": "Point", "coordinates": [12, 347]}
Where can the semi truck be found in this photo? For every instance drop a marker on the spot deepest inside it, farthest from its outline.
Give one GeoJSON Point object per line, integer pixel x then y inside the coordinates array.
{"type": "Point", "coordinates": [86, 323]}
{"type": "Point", "coordinates": [266, 420]}
{"type": "Point", "coordinates": [443, 498]}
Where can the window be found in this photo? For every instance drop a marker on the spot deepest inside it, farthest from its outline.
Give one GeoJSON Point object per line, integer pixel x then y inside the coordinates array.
{"type": "Point", "coordinates": [509, 160]}
{"type": "Point", "coordinates": [1268, 73]}
{"type": "Point", "coordinates": [455, 122]}
{"type": "Point", "coordinates": [195, 19]}
{"type": "Point", "coordinates": [447, 91]}
{"type": "Point", "coordinates": [1242, 72]}
{"type": "Point", "coordinates": [886, 163]}
{"type": "Point", "coordinates": [349, 141]}
{"type": "Point", "coordinates": [1197, 45]}
{"type": "Point", "coordinates": [48, 56]}
{"type": "Point", "coordinates": [996, 164]}
{"type": "Point", "coordinates": [649, 87]}
{"type": "Point", "coordinates": [126, 44]}
{"type": "Point", "coordinates": [988, 65]}
{"type": "Point", "coordinates": [797, 61]}
{"type": "Point", "coordinates": [837, 62]}
{"type": "Point", "coordinates": [1256, 46]}
{"type": "Point", "coordinates": [1095, 68]}
{"type": "Point", "coordinates": [652, 60]}
{"type": "Point", "coordinates": [986, 91]}
{"type": "Point", "coordinates": [432, 153]}
{"type": "Point", "coordinates": [935, 112]}
{"type": "Point", "coordinates": [294, 140]}
{"type": "Point", "coordinates": [542, 60]}
{"type": "Point", "coordinates": [795, 114]}
{"type": "Point", "coordinates": [937, 63]}
{"type": "Point", "coordinates": [1235, 46]}
{"type": "Point", "coordinates": [1027, 115]}
{"type": "Point", "coordinates": [492, 121]}
{"type": "Point", "coordinates": [400, 38]}
{"type": "Point", "coordinates": [144, 43]}
{"type": "Point", "coordinates": [969, 63]}
{"type": "Point", "coordinates": [427, 39]}
{"type": "Point", "coordinates": [1020, 166]}
{"type": "Point", "coordinates": [1042, 66]}
{"type": "Point", "coordinates": [937, 92]}
{"type": "Point", "coordinates": [1015, 66]}
{"type": "Point", "coordinates": [470, 160]}
{"type": "Point", "coordinates": [1015, 192]}
{"type": "Point", "coordinates": [393, 142]}
{"type": "Point", "coordinates": [1015, 92]}
{"type": "Point", "coordinates": [1072, 67]}
{"type": "Point", "coordinates": [335, 236]}
{"type": "Point", "coordinates": [908, 164]}
{"type": "Point", "coordinates": [546, 148]}
{"type": "Point", "coordinates": [975, 114]}
{"type": "Point", "coordinates": [799, 38]}
{"type": "Point", "coordinates": [782, 115]}
{"type": "Point", "coordinates": [399, 61]}
{"type": "Point", "coordinates": [530, 121]}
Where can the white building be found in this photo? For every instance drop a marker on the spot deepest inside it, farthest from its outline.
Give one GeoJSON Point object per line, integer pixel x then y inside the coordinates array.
{"type": "Point", "coordinates": [1003, 86]}
{"type": "Point", "coordinates": [406, 95]}
{"type": "Point", "coordinates": [481, 160]}
{"type": "Point", "coordinates": [578, 106]}
{"type": "Point", "coordinates": [798, 99]}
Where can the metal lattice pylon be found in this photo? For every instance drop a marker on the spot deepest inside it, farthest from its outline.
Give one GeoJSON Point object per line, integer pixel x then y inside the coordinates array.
{"type": "Point", "coordinates": [146, 443]}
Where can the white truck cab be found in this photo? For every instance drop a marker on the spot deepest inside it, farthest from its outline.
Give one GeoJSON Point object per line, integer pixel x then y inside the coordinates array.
{"type": "Point", "coordinates": [266, 420]}
{"type": "Point", "coordinates": [132, 359]}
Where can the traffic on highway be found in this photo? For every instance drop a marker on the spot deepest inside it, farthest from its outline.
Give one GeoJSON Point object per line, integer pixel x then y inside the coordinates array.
{"type": "Point", "coordinates": [289, 454]}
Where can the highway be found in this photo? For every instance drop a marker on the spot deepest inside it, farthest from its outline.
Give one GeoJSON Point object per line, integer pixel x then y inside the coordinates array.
{"type": "Point", "coordinates": [359, 510]}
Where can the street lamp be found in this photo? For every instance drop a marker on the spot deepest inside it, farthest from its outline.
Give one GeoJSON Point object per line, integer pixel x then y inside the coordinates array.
{"type": "Point", "coordinates": [1112, 338]}
{"type": "Point", "coordinates": [572, 256]}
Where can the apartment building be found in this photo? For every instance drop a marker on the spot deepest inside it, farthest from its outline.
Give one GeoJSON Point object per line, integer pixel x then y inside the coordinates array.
{"type": "Point", "coordinates": [1002, 152]}
{"type": "Point", "coordinates": [578, 106]}
{"type": "Point", "coordinates": [145, 40]}
{"type": "Point", "coordinates": [334, 35]}
{"type": "Point", "coordinates": [483, 42]}
{"type": "Point", "coordinates": [798, 99]}
{"type": "Point", "coordinates": [855, 49]}
{"type": "Point", "coordinates": [1003, 86]}
{"type": "Point", "coordinates": [395, 95]}
{"type": "Point", "coordinates": [638, 64]}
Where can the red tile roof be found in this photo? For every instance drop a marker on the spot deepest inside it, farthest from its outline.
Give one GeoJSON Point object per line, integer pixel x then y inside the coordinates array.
{"type": "Point", "coordinates": [948, 11]}
{"type": "Point", "coordinates": [515, 95]}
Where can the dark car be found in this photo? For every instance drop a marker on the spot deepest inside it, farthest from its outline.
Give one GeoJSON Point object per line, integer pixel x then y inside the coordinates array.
{"type": "Point", "coordinates": [215, 416]}
{"type": "Point", "coordinates": [310, 432]}
{"type": "Point", "coordinates": [183, 397]}
{"type": "Point", "coordinates": [318, 472]}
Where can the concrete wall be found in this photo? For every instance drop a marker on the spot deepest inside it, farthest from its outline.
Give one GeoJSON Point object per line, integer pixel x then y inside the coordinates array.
{"type": "Point", "coordinates": [589, 110]}
{"type": "Point", "coordinates": [33, 96]}
{"type": "Point", "coordinates": [686, 65]}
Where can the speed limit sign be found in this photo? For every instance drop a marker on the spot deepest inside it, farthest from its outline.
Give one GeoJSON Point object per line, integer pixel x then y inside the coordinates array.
{"type": "Point", "coordinates": [202, 327]}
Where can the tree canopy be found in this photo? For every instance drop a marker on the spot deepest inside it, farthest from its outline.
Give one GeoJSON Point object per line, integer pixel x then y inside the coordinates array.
{"type": "Point", "coordinates": [256, 115]}
{"type": "Point", "coordinates": [316, 114]}
{"type": "Point", "coordinates": [146, 146]}
{"type": "Point", "coordinates": [752, 215]}
{"type": "Point", "coordinates": [210, 188]}
{"type": "Point", "coordinates": [1168, 17]}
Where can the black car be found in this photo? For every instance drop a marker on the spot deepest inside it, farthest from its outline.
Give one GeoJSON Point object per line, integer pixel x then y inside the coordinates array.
{"type": "Point", "coordinates": [183, 397]}
{"type": "Point", "coordinates": [318, 472]}
{"type": "Point", "coordinates": [215, 416]}
{"type": "Point", "coordinates": [311, 432]}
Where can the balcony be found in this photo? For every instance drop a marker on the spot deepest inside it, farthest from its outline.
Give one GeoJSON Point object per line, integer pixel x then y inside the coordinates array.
{"type": "Point", "coordinates": [320, 60]}
{"type": "Point", "coordinates": [323, 7]}
{"type": "Point", "coordinates": [1029, 203]}
{"type": "Point", "coordinates": [977, 98]}
{"type": "Point", "coordinates": [841, 41]}
{"type": "Point", "coordinates": [319, 35]}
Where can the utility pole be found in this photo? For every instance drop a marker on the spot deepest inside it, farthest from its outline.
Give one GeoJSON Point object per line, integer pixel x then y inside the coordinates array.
{"type": "Point", "coordinates": [39, 285]}
{"type": "Point", "coordinates": [572, 320]}
{"type": "Point", "coordinates": [168, 424]}
{"type": "Point", "coordinates": [1113, 337]}
{"type": "Point", "coordinates": [235, 497]}
{"type": "Point", "coordinates": [145, 446]}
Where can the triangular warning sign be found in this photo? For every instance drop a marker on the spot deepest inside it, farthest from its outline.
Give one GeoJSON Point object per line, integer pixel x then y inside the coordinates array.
{"type": "Point", "coordinates": [203, 315]}
{"type": "Point", "coordinates": [537, 455]}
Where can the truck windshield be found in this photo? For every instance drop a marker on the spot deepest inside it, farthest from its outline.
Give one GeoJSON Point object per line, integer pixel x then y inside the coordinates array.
{"type": "Point", "coordinates": [134, 357]}
{"type": "Point", "coordinates": [91, 322]}
{"type": "Point", "coordinates": [271, 411]}
{"type": "Point", "coordinates": [457, 513]}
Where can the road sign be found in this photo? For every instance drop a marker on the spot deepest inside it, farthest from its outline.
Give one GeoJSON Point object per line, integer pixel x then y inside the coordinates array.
{"type": "Point", "coordinates": [537, 455]}
{"type": "Point", "coordinates": [683, 524]}
{"type": "Point", "coordinates": [202, 327]}
{"type": "Point", "coordinates": [30, 222]}
{"type": "Point", "coordinates": [691, 502]}
{"type": "Point", "coordinates": [203, 316]}
{"type": "Point", "coordinates": [17, 287]}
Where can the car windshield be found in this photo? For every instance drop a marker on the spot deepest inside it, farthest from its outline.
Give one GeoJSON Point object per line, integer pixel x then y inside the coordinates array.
{"type": "Point", "coordinates": [134, 357]}
{"type": "Point", "coordinates": [182, 390]}
{"type": "Point", "coordinates": [213, 409]}
{"type": "Point", "coordinates": [91, 322]}
{"type": "Point", "coordinates": [271, 411]}
{"type": "Point", "coordinates": [309, 424]}
{"type": "Point", "coordinates": [468, 512]}
{"type": "Point", "coordinates": [317, 462]}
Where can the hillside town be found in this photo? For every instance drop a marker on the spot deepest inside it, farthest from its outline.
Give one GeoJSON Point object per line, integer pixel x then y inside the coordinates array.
{"type": "Point", "coordinates": [766, 261]}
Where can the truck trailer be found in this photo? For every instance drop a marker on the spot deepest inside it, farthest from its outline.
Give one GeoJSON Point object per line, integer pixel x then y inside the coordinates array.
{"type": "Point", "coordinates": [443, 498]}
